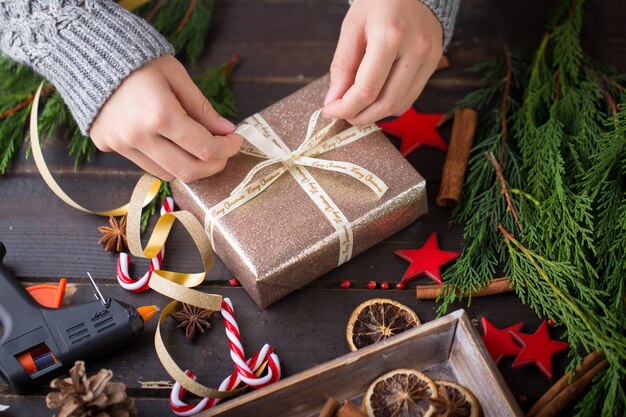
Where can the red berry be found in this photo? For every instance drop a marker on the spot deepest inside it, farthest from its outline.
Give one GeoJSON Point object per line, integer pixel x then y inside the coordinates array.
{"type": "Point", "coordinates": [233, 282]}
{"type": "Point", "coordinates": [551, 323]}
{"type": "Point", "coordinates": [400, 286]}
{"type": "Point", "coordinates": [345, 284]}
{"type": "Point", "coordinates": [371, 285]}
{"type": "Point", "coordinates": [522, 399]}
{"type": "Point", "coordinates": [384, 285]}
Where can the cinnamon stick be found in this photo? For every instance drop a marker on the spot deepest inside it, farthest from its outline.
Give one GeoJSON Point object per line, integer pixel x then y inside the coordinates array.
{"type": "Point", "coordinates": [455, 165]}
{"type": "Point", "coordinates": [350, 410]}
{"type": "Point", "coordinates": [565, 397]}
{"type": "Point", "coordinates": [585, 371]}
{"type": "Point", "coordinates": [496, 286]}
{"type": "Point", "coordinates": [330, 408]}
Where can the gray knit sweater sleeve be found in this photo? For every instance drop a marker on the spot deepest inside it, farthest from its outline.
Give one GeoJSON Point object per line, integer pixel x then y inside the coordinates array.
{"type": "Point", "coordinates": [84, 47]}
{"type": "Point", "coordinates": [446, 11]}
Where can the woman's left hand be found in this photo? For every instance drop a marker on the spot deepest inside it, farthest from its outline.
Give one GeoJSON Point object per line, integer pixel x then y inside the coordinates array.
{"type": "Point", "coordinates": [386, 53]}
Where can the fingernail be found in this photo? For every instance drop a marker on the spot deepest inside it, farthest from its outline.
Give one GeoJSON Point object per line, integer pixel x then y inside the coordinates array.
{"type": "Point", "coordinates": [227, 124]}
{"type": "Point", "coordinates": [330, 95]}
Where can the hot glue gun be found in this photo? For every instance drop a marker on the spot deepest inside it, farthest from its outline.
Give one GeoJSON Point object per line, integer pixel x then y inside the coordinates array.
{"type": "Point", "coordinates": [39, 343]}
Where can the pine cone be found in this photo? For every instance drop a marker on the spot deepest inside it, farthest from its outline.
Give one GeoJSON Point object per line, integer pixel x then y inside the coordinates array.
{"type": "Point", "coordinates": [79, 396]}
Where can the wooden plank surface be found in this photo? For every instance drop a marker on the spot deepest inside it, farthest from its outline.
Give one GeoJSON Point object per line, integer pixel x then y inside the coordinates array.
{"type": "Point", "coordinates": [284, 45]}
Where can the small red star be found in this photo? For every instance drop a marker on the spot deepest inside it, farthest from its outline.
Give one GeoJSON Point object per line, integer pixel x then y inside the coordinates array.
{"type": "Point", "coordinates": [426, 261]}
{"type": "Point", "coordinates": [499, 342]}
{"type": "Point", "coordinates": [538, 348]}
{"type": "Point", "coordinates": [414, 130]}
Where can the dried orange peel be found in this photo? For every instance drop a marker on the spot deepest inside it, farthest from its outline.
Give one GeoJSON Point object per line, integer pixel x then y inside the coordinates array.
{"type": "Point", "coordinates": [400, 393]}
{"type": "Point", "coordinates": [454, 400]}
{"type": "Point", "coordinates": [378, 319]}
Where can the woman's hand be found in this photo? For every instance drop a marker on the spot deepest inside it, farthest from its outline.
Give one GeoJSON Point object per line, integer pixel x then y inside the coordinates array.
{"type": "Point", "coordinates": [386, 53]}
{"type": "Point", "coordinates": [159, 119]}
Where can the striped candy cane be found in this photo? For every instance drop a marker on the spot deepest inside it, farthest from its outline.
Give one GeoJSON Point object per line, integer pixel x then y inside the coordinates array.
{"type": "Point", "coordinates": [244, 370]}
{"type": "Point", "coordinates": [123, 261]}
{"type": "Point", "coordinates": [236, 349]}
{"type": "Point", "coordinates": [181, 408]}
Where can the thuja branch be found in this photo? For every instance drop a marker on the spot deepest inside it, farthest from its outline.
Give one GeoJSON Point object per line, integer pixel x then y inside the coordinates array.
{"type": "Point", "coordinates": [562, 175]}
{"type": "Point", "coordinates": [505, 190]}
{"type": "Point", "coordinates": [505, 100]}
{"type": "Point", "coordinates": [187, 16]}
{"type": "Point", "coordinates": [483, 249]}
{"type": "Point", "coordinates": [26, 102]}
{"type": "Point", "coordinates": [587, 327]}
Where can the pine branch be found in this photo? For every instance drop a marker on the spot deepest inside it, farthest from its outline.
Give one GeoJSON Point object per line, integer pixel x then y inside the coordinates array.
{"type": "Point", "coordinates": [561, 187]}
{"type": "Point", "coordinates": [214, 82]}
{"type": "Point", "coordinates": [505, 191]}
{"type": "Point", "coordinates": [185, 23]}
{"type": "Point", "coordinates": [25, 103]}
{"type": "Point", "coordinates": [540, 283]}
{"type": "Point", "coordinates": [551, 142]}
{"type": "Point", "coordinates": [504, 125]}
{"type": "Point", "coordinates": [155, 205]}
{"type": "Point", "coordinates": [483, 250]}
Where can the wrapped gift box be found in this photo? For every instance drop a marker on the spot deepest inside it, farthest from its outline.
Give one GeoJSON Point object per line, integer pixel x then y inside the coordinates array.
{"type": "Point", "coordinates": [280, 240]}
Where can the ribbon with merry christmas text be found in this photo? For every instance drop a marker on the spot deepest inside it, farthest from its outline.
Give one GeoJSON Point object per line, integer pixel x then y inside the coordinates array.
{"type": "Point", "coordinates": [264, 143]}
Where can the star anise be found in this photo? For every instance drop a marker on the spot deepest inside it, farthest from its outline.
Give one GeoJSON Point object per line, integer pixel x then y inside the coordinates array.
{"type": "Point", "coordinates": [114, 237]}
{"type": "Point", "coordinates": [193, 319]}
{"type": "Point", "coordinates": [450, 403]}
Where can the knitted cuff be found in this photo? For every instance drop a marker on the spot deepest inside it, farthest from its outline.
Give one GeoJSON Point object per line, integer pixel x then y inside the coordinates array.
{"type": "Point", "coordinates": [85, 48]}
{"type": "Point", "coordinates": [446, 11]}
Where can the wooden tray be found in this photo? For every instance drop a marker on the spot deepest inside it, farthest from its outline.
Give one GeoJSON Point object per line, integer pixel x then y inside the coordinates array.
{"type": "Point", "coordinates": [446, 348]}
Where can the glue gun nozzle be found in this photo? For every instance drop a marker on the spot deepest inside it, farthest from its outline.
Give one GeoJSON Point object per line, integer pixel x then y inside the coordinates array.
{"type": "Point", "coordinates": [147, 312]}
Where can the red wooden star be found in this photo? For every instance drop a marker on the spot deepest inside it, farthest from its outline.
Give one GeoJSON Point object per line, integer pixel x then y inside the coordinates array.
{"type": "Point", "coordinates": [538, 348]}
{"type": "Point", "coordinates": [426, 261]}
{"type": "Point", "coordinates": [414, 130]}
{"type": "Point", "coordinates": [499, 342]}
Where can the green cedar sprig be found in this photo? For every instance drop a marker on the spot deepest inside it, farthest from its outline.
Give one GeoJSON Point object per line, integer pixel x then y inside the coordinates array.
{"type": "Point", "coordinates": [548, 171]}
{"type": "Point", "coordinates": [17, 86]}
{"type": "Point", "coordinates": [184, 22]}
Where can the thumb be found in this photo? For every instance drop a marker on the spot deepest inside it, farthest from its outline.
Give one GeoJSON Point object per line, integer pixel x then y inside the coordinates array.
{"type": "Point", "coordinates": [195, 104]}
{"type": "Point", "coordinates": [348, 55]}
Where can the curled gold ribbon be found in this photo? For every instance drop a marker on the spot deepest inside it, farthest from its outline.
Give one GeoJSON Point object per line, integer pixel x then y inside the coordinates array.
{"type": "Point", "coordinates": [54, 186]}
{"type": "Point", "coordinates": [172, 284]}
{"type": "Point", "coordinates": [264, 143]}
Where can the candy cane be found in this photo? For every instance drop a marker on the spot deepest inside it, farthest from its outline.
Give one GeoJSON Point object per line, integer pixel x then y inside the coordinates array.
{"type": "Point", "coordinates": [230, 383]}
{"type": "Point", "coordinates": [244, 370]}
{"type": "Point", "coordinates": [236, 349]}
{"type": "Point", "coordinates": [123, 261]}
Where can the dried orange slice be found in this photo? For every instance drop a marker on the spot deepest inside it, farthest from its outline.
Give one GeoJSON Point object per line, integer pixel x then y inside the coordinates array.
{"type": "Point", "coordinates": [400, 393]}
{"type": "Point", "coordinates": [376, 320]}
{"type": "Point", "coordinates": [454, 400]}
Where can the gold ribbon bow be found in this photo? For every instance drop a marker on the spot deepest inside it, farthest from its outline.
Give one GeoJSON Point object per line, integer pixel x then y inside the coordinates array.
{"type": "Point", "coordinates": [264, 143]}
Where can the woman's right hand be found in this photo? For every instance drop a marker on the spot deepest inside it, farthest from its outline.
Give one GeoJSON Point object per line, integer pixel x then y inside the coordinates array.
{"type": "Point", "coordinates": [160, 120]}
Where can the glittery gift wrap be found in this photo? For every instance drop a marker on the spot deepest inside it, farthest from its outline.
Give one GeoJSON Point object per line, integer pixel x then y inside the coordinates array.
{"type": "Point", "coordinates": [280, 240]}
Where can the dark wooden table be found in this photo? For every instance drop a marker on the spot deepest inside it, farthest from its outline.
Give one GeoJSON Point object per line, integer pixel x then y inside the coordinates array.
{"type": "Point", "coordinates": [284, 44]}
